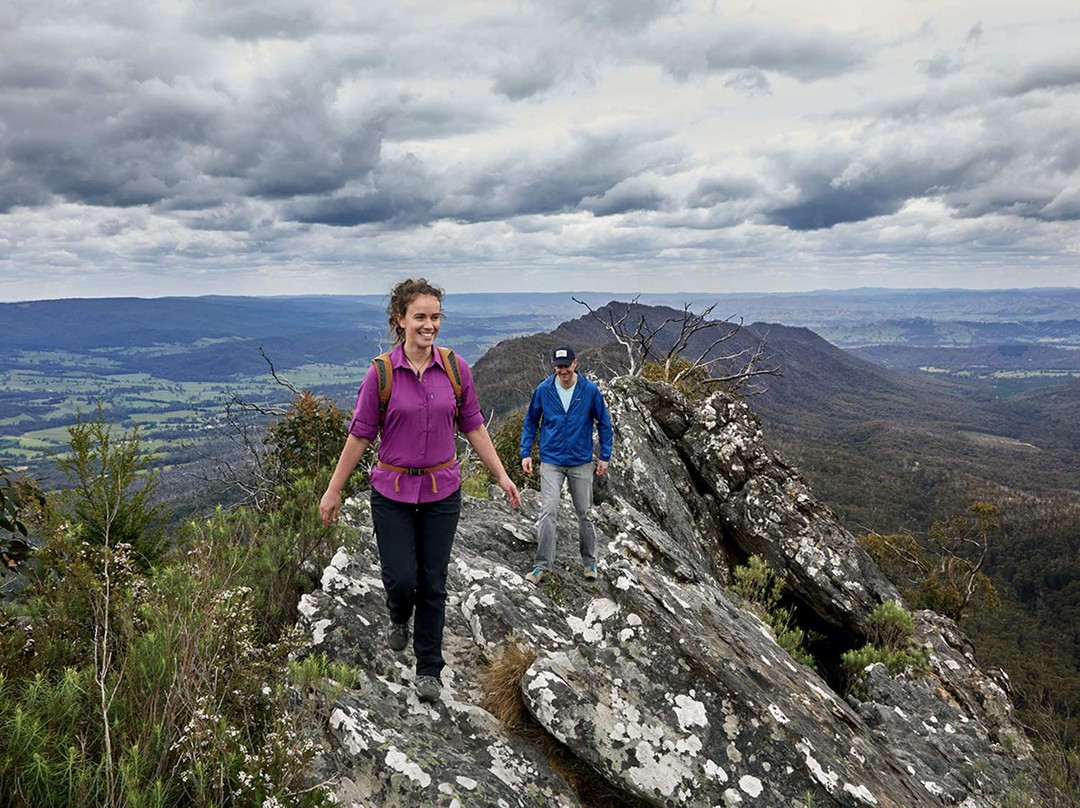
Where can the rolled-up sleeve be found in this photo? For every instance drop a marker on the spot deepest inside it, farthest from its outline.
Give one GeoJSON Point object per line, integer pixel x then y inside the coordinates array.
{"type": "Point", "coordinates": [365, 420]}
{"type": "Point", "coordinates": [469, 415]}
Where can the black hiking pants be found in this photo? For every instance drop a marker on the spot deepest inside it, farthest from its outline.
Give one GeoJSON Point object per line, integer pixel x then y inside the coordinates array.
{"type": "Point", "coordinates": [414, 551]}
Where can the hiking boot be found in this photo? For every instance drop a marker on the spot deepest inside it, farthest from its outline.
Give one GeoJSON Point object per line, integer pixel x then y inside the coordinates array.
{"type": "Point", "coordinates": [397, 636]}
{"type": "Point", "coordinates": [590, 572]}
{"type": "Point", "coordinates": [537, 576]}
{"type": "Point", "coordinates": [428, 688]}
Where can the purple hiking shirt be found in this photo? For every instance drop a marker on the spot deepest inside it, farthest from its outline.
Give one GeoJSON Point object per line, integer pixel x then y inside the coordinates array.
{"type": "Point", "coordinates": [418, 431]}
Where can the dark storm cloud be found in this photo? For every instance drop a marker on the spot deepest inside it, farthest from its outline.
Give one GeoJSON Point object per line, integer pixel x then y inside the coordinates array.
{"type": "Point", "coordinates": [139, 141]}
{"type": "Point", "coordinates": [589, 174]}
{"type": "Point", "coordinates": [859, 181]}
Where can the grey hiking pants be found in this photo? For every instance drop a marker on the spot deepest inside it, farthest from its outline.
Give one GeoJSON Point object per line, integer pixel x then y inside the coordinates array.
{"type": "Point", "coordinates": [580, 481]}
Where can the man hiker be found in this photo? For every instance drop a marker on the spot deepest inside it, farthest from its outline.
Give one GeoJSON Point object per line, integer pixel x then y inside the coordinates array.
{"type": "Point", "coordinates": [565, 406]}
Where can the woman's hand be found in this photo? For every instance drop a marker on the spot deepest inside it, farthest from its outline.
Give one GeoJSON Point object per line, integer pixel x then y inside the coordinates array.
{"type": "Point", "coordinates": [329, 506]}
{"type": "Point", "coordinates": [507, 485]}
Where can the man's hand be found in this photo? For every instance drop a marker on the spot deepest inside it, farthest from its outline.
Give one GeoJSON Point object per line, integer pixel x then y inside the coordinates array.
{"type": "Point", "coordinates": [601, 468]}
{"type": "Point", "coordinates": [526, 465]}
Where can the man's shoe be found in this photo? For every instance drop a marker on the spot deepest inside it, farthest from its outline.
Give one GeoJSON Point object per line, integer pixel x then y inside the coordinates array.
{"type": "Point", "coordinates": [590, 572]}
{"type": "Point", "coordinates": [397, 636]}
{"type": "Point", "coordinates": [537, 576]}
{"type": "Point", "coordinates": [428, 688]}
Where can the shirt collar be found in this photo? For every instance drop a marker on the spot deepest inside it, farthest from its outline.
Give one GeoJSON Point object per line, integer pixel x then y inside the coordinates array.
{"type": "Point", "coordinates": [398, 360]}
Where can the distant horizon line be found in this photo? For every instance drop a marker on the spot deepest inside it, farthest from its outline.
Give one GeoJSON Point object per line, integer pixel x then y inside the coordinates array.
{"type": "Point", "coordinates": [850, 289]}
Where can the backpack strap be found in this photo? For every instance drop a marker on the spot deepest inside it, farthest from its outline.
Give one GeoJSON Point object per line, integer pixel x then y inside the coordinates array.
{"type": "Point", "coordinates": [386, 381]}
{"type": "Point", "coordinates": [450, 362]}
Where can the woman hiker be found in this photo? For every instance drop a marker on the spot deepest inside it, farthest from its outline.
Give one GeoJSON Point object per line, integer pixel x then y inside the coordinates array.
{"type": "Point", "coordinates": [416, 483]}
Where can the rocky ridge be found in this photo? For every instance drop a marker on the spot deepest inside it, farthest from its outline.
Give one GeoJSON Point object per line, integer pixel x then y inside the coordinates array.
{"type": "Point", "coordinates": [657, 676]}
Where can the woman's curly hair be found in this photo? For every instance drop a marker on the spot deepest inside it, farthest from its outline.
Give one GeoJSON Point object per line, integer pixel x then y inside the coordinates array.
{"type": "Point", "coordinates": [400, 298]}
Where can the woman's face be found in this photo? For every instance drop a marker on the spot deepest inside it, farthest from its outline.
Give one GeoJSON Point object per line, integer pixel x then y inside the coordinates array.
{"type": "Point", "coordinates": [421, 322]}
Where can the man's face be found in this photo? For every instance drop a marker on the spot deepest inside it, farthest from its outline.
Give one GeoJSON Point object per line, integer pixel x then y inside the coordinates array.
{"type": "Point", "coordinates": [566, 372]}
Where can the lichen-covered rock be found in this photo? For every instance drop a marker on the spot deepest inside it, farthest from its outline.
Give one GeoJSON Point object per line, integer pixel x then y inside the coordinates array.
{"type": "Point", "coordinates": [656, 675]}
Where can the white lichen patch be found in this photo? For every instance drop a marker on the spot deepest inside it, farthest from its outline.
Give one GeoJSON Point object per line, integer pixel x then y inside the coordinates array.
{"type": "Point", "coordinates": [731, 726]}
{"type": "Point", "coordinates": [933, 788]}
{"type": "Point", "coordinates": [778, 714]}
{"type": "Point", "coordinates": [351, 730]}
{"type": "Point", "coordinates": [861, 793]}
{"type": "Point", "coordinates": [541, 685]}
{"type": "Point", "coordinates": [318, 631]}
{"type": "Point", "coordinates": [633, 620]}
{"type": "Point", "coordinates": [829, 778]}
{"type": "Point", "coordinates": [715, 772]}
{"type": "Point", "coordinates": [660, 774]}
{"type": "Point", "coordinates": [470, 573]}
{"type": "Point", "coordinates": [690, 712]}
{"type": "Point", "coordinates": [591, 628]}
{"type": "Point", "coordinates": [751, 785]}
{"type": "Point", "coordinates": [506, 766]}
{"type": "Point", "coordinates": [466, 782]}
{"type": "Point", "coordinates": [517, 532]}
{"type": "Point", "coordinates": [690, 745]}
{"type": "Point", "coordinates": [308, 606]}
{"type": "Point", "coordinates": [624, 582]}
{"type": "Point", "coordinates": [732, 797]}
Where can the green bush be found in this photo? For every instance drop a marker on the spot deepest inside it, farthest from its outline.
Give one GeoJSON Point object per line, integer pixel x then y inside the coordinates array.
{"type": "Point", "coordinates": [891, 626]}
{"type": "Point", "coordinates": [182, 704]}
{"type": "Point", "coordinates": [759, 583]}
{"type": "Point", "coordinates": [164, 683]}
{"type": "Point", "coordinates": [911, 660]}
{"type": "Point", "coordinates": [113, 488]}
{"type": "Point", "coordinates": [507, 439]}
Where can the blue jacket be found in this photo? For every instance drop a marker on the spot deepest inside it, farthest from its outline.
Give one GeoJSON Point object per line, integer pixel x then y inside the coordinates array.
{"type": "Point", "coordinates": [566, 436]}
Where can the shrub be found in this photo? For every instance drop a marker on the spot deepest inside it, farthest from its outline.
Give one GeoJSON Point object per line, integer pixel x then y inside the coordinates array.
{"type": "Point", "coordinates": [309, 437]}
{"type": "Point", "coordinates": [506, 436]}
{"type": "Point", "coordinates": [114, 488]}
{"type": "Point", "coordinates": [891, 626]}
{"type": "Point", "coordinates": [890, 629]}
{"type": "Point", "coordinates": [162, 684]}
{"type": "Point", "coordinates": [758, 583]}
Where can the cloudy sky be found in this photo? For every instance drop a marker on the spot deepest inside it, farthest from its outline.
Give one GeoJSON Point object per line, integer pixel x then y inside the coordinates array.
{"type": "Point", "coordinates": [279, 147]}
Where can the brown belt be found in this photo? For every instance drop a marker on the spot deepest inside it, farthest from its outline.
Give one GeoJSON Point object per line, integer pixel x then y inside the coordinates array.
{"type": "Point", "coordinates": [417, 472]}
